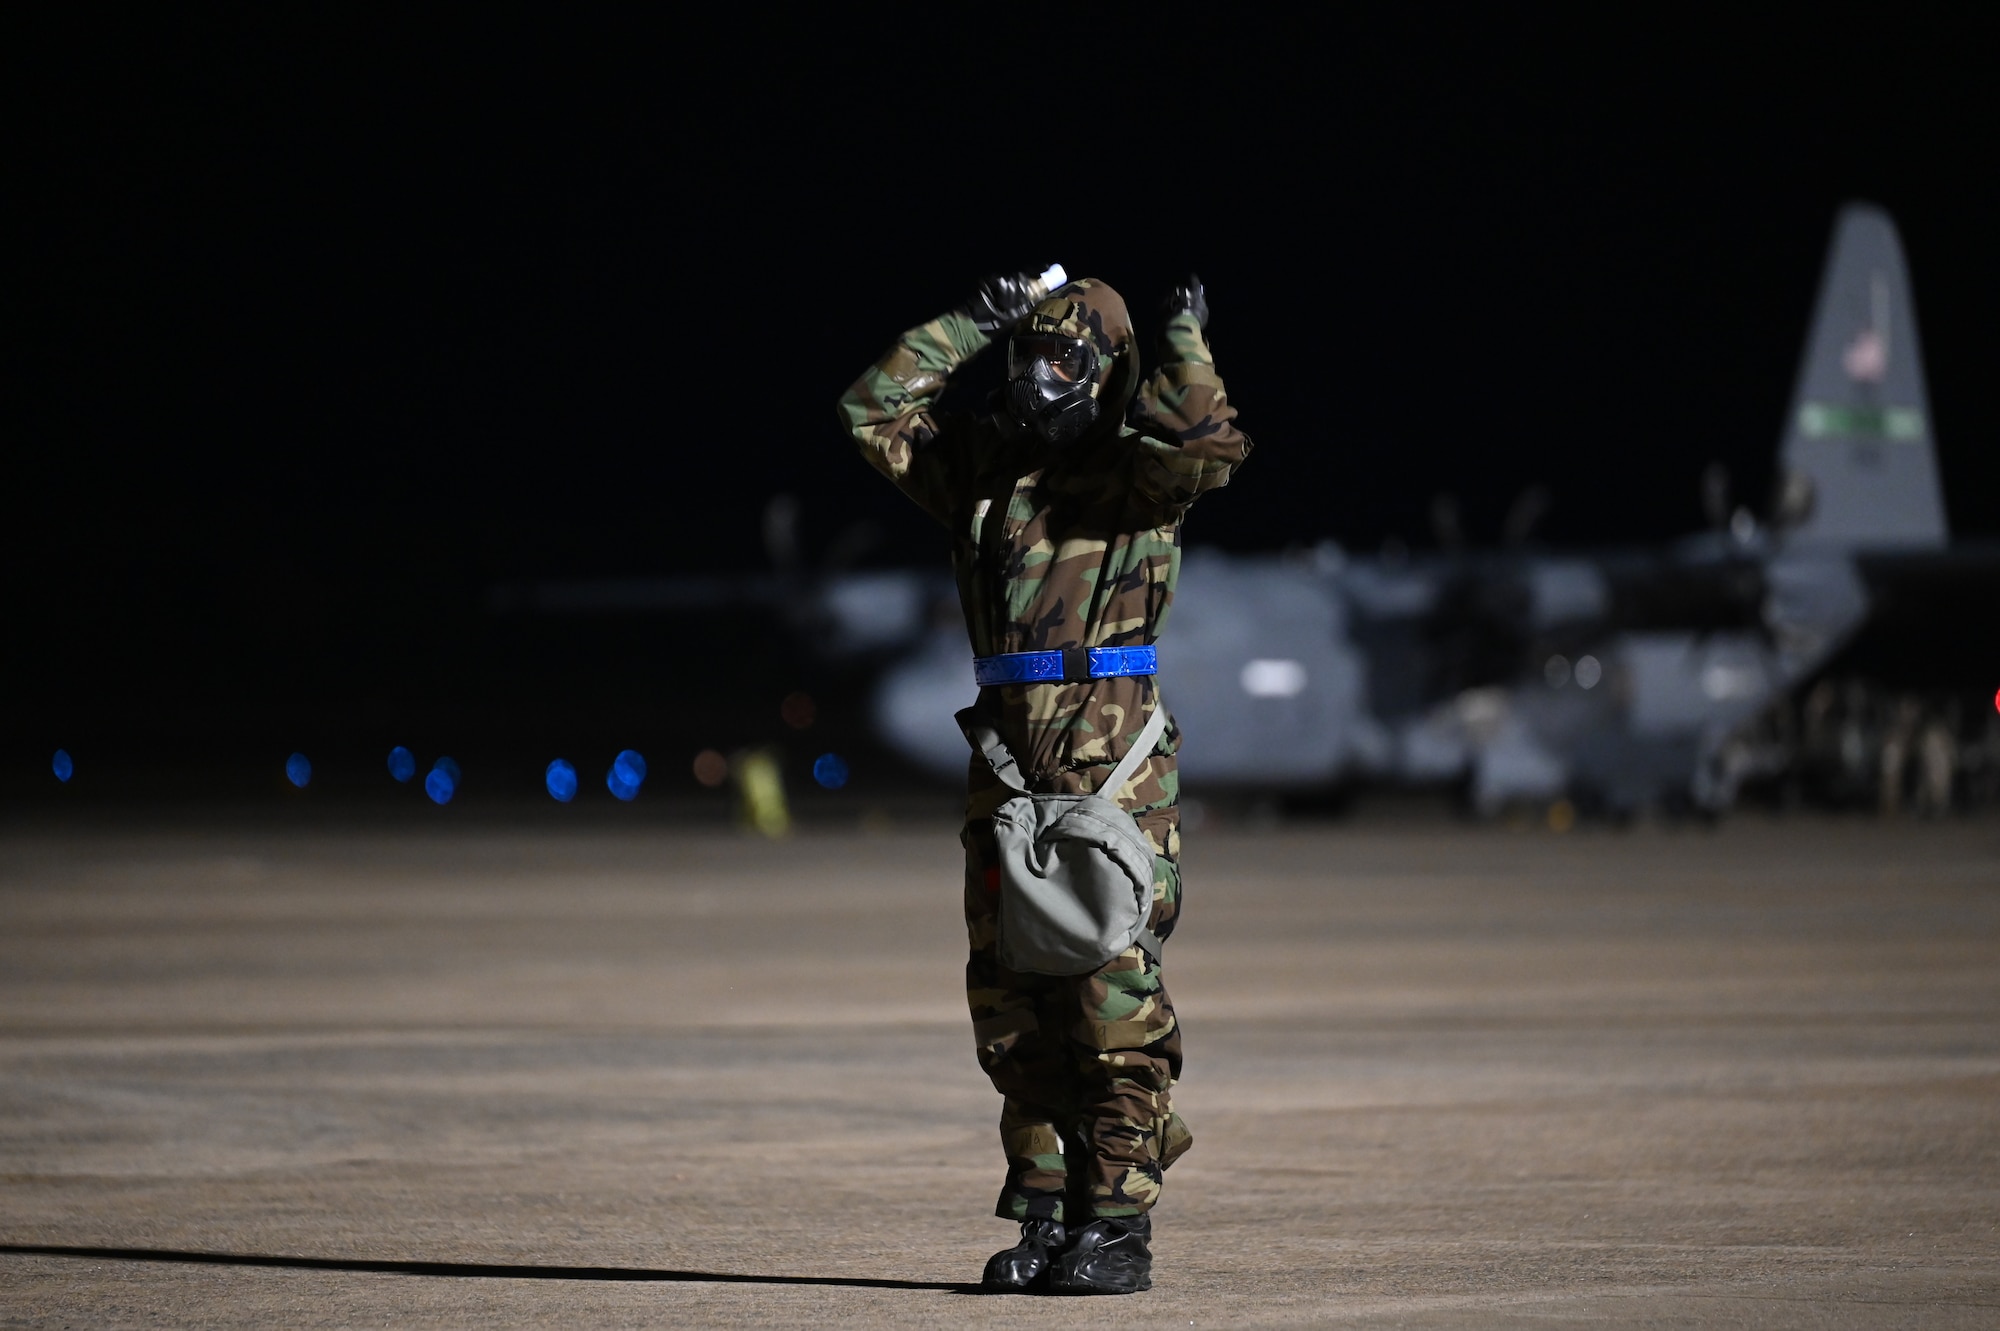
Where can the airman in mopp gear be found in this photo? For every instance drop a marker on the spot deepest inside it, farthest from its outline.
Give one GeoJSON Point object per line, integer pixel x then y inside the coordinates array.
{"type": "Point", "coordinates": [1064, 501]}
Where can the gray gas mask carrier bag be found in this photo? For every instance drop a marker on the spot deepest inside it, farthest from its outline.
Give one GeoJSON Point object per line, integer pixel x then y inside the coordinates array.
{"type": "Point", "coordinates": [1076, 873]}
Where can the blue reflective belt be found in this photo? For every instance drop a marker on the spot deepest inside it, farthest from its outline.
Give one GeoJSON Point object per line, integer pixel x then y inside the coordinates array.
{"type": "Point", "coordinates": [1070, 665]}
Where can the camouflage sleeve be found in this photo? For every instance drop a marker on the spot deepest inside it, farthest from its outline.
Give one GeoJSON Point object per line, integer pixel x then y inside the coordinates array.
{"type": "Point", "coordinates": [1186, 426]}
{"type": "Point", "coordinates": [889, 412]}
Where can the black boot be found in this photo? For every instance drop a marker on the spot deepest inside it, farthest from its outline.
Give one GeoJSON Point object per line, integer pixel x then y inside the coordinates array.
{"type": "Point", "coordinates": [1107, 1256]}
{"type": "Point", "coordinates": [1025, 1266]}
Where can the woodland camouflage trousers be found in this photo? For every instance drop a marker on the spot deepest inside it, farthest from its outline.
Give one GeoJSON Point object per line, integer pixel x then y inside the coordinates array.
{"type": "Point", "coordinates": [1086, 1063]}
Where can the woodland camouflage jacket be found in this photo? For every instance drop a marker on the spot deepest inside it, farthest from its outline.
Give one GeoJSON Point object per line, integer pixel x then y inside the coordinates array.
{"type": "Point", "coordinates": [1077, 546]}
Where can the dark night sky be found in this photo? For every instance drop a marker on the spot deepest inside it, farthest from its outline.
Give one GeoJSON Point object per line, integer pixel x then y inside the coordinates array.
{"type": "Point", "coordinates": [322, 327]}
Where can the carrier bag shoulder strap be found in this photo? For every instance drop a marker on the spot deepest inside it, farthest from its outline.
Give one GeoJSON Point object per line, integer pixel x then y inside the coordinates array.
{"type": "Point", "coordinates": [1141, 749]}
{"type": "Point", "coordinates": [980, 733]}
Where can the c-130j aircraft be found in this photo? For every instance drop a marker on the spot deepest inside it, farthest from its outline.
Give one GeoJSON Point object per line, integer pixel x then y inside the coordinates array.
{"type": "Point", "coordinates": [1617, 681]}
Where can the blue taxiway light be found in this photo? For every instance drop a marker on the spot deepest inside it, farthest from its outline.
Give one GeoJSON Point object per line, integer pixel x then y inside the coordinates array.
{"type": "Point", "coordinates": [627, 774]}
{"type": "Point", "coordinates": [439, 785]}
{"type": "Point", "coordinates": [62, 766]}
{"type": "Point", "coordinates": [561, 780]}
{"type": "Point", "coordinates": [299, 770]}
{"type": "Point", "coordinates": [402, 763]}
{"type": "Point", "coordinates": [830, 770]}
{"type": "Point", "coordinates": [449, 766]}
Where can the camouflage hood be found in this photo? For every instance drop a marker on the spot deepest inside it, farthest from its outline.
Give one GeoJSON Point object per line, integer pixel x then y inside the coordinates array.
{"type": "Point", "coordinates": [1091, 310]}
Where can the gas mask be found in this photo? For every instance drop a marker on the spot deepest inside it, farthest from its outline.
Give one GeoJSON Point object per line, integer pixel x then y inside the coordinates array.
{"type": "Point", "coordinates": [1052, 385]}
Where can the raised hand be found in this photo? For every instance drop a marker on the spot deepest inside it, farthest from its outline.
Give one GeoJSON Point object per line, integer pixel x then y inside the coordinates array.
{"type": "Point", "coordinates": [1188, 297]}
{"type": "Point", "coordinates": [1004, 299]}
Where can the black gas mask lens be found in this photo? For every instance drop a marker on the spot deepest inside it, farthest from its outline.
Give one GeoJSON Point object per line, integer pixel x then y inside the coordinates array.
{"type": "Point", "coordinates": [1051, 383]}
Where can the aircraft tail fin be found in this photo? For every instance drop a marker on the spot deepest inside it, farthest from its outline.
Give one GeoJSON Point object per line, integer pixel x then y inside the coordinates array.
{"type": "Point", "coordinates": [1859, 465]}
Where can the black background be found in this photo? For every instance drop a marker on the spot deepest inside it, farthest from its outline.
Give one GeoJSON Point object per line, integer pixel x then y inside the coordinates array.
{"type": "Point", "coordinates": [323, 327]}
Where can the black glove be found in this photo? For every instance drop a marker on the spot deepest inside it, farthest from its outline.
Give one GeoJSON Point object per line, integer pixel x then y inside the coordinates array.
{"type": "Point", "coordinates": [1003, 300]}
{"type": "Point", "coordinates": [1187, 298]}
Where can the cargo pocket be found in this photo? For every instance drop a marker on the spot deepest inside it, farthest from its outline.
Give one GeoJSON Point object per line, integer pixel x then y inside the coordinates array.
{"type": "Point", "coordinates": [1175, 1138]}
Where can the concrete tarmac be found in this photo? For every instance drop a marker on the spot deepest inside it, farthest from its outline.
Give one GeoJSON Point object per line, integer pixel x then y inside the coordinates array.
{"type": "Point", "coordinates": [1439, 1076]}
